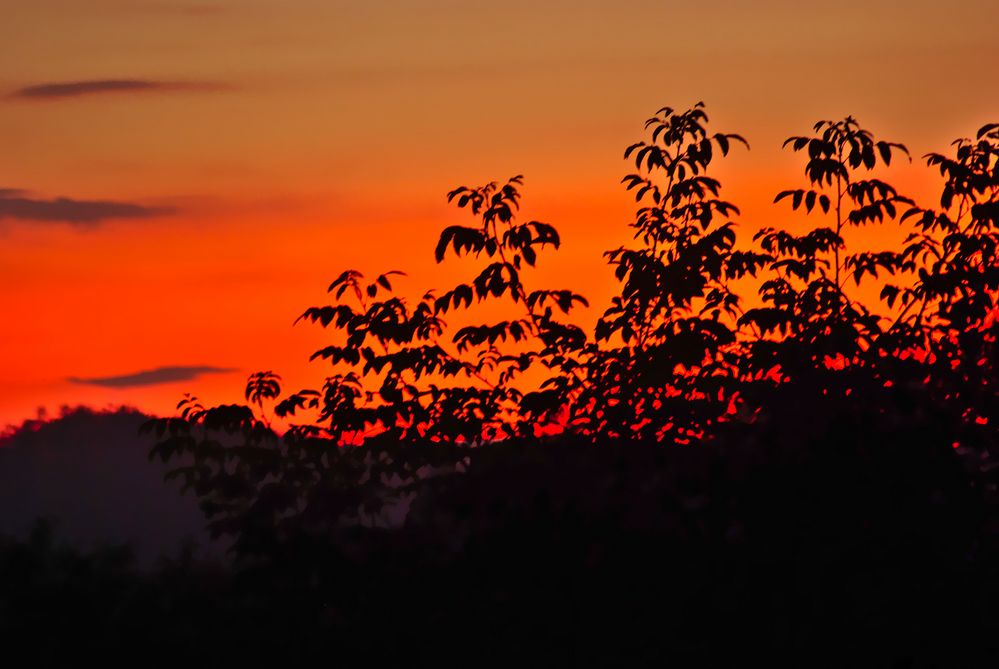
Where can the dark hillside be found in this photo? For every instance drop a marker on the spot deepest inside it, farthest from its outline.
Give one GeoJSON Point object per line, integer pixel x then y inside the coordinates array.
{"type": "Point", "coordinates": [90, 474]}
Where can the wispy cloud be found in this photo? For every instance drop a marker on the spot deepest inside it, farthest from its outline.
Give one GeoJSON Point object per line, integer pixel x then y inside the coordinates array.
{"type": "Point", "coordinates": [17, 205]}
{"type": "Point", "coordinates": [74, 89]}
{"type": "Point", "coordinates": [151, 377]}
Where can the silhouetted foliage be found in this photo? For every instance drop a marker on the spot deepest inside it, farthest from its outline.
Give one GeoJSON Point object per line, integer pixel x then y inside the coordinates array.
{"type": "Point", "coordinates": [670, 377]}
{"type": "Point", "coordinates": [748, 453]}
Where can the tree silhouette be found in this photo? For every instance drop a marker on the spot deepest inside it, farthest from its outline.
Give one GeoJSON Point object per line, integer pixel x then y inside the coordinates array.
{"type": "Point", "coordinates": [806, 296]}
{"type": "Point", "coordinates": [742, 425]}
{"type": "Point", "coordinates": [673, 357]}
{"type": "Point", "coordinates": [670, 380]}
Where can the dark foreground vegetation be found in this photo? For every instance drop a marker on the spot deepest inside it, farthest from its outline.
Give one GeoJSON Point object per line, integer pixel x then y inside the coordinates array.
{"type": "Point", "coordinates": [748, 458]}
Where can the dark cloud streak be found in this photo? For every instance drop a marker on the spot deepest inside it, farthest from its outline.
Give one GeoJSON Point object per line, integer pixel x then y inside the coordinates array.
{"type": "Point", "coordinates": [15, 206]}
{"type": "Point", "coordinates": [151, 377]}
{"type": "Point", "coordinates": [75, 89]}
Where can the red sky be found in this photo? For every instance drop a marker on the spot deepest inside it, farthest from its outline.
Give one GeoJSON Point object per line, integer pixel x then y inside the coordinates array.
{"type": "Point", "coordinates": [225, 160]}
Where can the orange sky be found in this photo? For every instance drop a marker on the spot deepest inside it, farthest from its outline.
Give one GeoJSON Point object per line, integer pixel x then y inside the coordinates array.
{"type": "Point", "coordinates": [278, 143]}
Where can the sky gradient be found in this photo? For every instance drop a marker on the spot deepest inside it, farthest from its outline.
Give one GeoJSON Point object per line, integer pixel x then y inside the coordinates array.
{"type": "Point", "coordinates": [179, 180]}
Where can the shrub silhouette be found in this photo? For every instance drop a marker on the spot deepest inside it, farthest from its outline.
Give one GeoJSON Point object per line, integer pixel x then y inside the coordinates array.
{"type": "Point", "coordinates": [743, 440]}
{"type": "Point", "coordinates": [673, 357]}
{"type": "Point", "coordinates": [670, 376]}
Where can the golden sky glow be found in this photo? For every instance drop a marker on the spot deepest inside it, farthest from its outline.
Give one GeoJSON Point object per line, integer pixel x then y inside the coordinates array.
{"type": "Point", "coordinates": [271, 144]}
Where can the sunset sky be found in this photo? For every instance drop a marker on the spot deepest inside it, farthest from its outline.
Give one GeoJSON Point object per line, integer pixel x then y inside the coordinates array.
{"type": "Point", "coordinates": [179, 180]}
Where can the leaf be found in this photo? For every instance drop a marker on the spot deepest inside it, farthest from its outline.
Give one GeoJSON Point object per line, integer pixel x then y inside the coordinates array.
{"type": "Point", "coordinates": [810, 200]}
{"type": "Point", "coordinates": [529, 255]}
{"type": "Point", "coordinates": [383, 280]}
{"type": "Point", "coordinates": [986, 129]}
{"type": "Point", "coordinates": [885, 152]}
{"type": "Point", "coordinates": [722, 141]}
